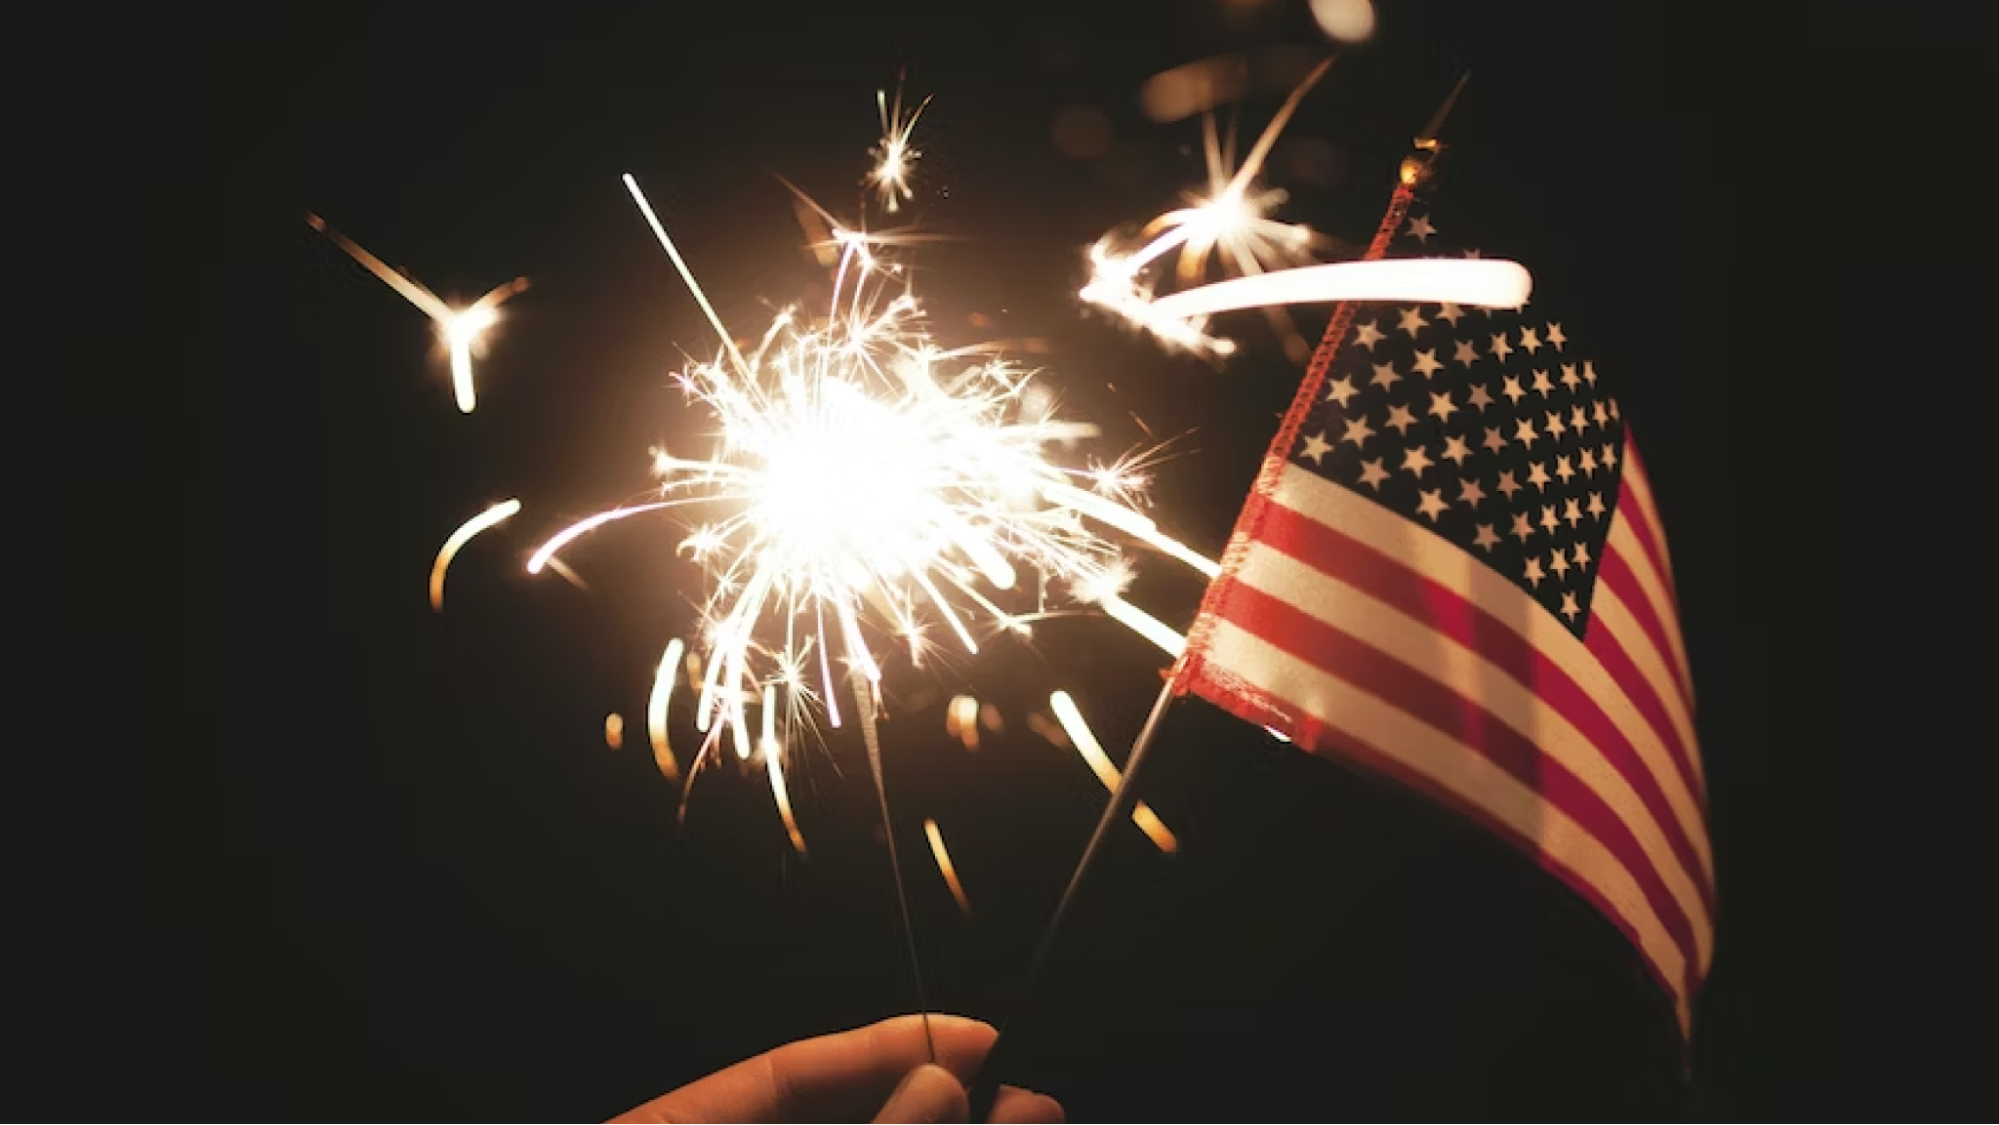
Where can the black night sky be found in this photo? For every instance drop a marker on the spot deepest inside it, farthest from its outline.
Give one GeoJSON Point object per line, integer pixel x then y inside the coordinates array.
{"type": "Point", "coordinates": [420, 885]}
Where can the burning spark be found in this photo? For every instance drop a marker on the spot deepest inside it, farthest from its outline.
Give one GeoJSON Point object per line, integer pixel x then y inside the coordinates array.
{"type": "Point", "coordinates": [773, 752]}
{"type": "Point", "coordinates": [1100, 764]}
{"type": "Point", "coordinates": [457, 539]}
{"type": "Point", "coordinates": [961, 721]}
{"type": "Point", "coordinates": [1230, 222]}
{"type": "Point", "coordinates": [614, 731]}
{"type": "Point", "coordinates": [461, 330]}
{"type": "Point", "coordinates": [945, 866]}
{"type": "Point", "coordinates": [894, 158]}
{"type": "Point", "coordinates": [867, 481]}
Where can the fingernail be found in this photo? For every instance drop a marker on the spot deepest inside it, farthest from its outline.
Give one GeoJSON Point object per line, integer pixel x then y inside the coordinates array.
{"type": "Point", "coordinates": [928, 1094]}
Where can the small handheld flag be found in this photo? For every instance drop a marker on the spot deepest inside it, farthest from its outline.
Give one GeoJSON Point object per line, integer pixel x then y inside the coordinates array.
{"type": "Point", "coordinates": [1452, 571]}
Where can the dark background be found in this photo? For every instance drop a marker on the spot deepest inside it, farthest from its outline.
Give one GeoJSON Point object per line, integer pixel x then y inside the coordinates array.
{"type": "Point", "coordinates": [418, 884]}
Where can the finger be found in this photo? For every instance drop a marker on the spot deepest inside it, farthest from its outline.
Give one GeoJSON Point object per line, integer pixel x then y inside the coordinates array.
{"type": "Point", "coordinates": [929, 1094]}
{"type": "Point", "coordinates": [848, 1076]}
{"type": "Point", "coordinates": [1025, 1107]}
{"type": "Point", "coordinates": [843, 1077]}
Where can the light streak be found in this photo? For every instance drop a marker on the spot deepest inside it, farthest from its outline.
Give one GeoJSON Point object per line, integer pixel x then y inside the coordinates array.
{"type": "Point", "coordinates": [1092, 751]}
{"type": "Point", "coordinates": [945, 866]}
{"type": "Point", "coordinates": [1486, 282]}
{"type": "Point", "coordinates": [462, 330]}
{"type": "Point", "coordinates": [773, 752]}
{"type": "Point", "coordinates": [485, 520]}
{"type": "Point", "coordinates": [656, 709]}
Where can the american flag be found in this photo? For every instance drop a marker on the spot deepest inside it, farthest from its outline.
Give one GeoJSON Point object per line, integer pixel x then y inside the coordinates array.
{"type": "Point", "coordinates": [1451, 570]}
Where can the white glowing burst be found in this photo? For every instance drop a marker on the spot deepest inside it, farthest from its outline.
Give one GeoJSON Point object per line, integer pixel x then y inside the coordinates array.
{"type": "Point", "coordinates": [894, 156]}
{"type": "Point", "coordinates": [867, 482]}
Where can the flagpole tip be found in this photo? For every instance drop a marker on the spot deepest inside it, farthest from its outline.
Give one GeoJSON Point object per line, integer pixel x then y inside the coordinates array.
{"type": "Point", "coordinates": [1418, 167]}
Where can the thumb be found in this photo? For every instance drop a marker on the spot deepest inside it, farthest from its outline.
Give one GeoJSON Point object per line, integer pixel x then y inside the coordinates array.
{"type": "Point", "coordinates": [928, 1094]}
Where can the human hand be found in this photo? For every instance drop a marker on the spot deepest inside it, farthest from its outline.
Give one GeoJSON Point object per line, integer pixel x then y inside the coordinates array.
{"type": "Point", "coordinates": [880, 1072]}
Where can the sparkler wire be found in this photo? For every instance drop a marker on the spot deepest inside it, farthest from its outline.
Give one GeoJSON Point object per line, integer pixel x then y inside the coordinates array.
{"type": "Point", "coordinates": [863, 673]}
{"type": "Point", "coordinates": [864, 702]}
{"type": "Point", "coordinates": [985, 1088]}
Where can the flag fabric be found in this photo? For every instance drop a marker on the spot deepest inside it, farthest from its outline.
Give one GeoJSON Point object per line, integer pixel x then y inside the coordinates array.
{"type": "Point", "coordinates": [1451, 570]}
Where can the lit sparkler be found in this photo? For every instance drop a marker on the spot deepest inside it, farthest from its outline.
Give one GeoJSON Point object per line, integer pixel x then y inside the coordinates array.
{"type": "Point", "coordinates": [1230, 222]}
{"type": "Point", "coordinates": [868, 481]}
{"type": "Point", "coordinates": [462, 330]}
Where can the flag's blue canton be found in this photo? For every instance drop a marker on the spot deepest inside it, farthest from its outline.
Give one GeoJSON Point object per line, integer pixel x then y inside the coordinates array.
{"type": "Point", "coordinates": [1485, 426]}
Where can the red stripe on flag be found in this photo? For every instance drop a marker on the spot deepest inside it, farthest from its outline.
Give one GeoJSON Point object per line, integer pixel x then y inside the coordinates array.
{"type": "Point", "coordinates": [1643, 522]}
{"type": "Point", "coordinates": [1615, 572]}
{"type": "Point", "coordinates": [1378, 575]}
{"type": "Point", "coordinates": [1638, 690]}
{"type": "Point", "coordinates": [1317, 737]}
{"type": "Point", "coordinates": [1641, 530]}
{"type": "Point", "coordinates": [1286, 627]}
